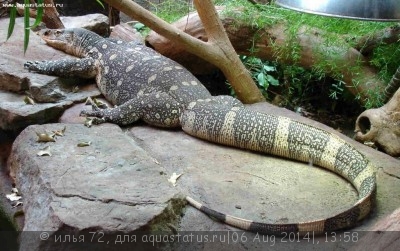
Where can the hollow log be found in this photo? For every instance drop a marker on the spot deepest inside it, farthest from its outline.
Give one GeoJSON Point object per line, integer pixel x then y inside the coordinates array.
{"type": "Point", "coordinates": [381, 126]}
{"type": "Point", "coordinates": [263, 43]}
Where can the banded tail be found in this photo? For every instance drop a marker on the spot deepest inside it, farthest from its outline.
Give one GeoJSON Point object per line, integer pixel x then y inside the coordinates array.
{"type": "Point", "coordinates": [281, 136]}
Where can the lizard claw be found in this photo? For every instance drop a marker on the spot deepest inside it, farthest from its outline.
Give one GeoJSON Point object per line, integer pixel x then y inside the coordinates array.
{"type": "Point", "coordinates": [95, 107]}
{"type": "Point", "coordinates": [94, 113]}
{"type": "Point", "coordinates": [32, 66]}
{"type": "Point", "coordinates": [94, 121]}
{"type": "Point", "coordinates": [92, 103]}
{"type": "Point", "coordinates": [98, 121]}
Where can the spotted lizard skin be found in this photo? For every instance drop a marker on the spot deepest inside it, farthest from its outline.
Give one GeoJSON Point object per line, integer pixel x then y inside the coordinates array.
{"type": "Point", "coordinates": [144, 85]}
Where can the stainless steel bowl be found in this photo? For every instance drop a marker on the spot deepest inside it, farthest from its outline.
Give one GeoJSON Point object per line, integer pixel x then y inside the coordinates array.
{"type": "Point", "coordinates": [376, 10]}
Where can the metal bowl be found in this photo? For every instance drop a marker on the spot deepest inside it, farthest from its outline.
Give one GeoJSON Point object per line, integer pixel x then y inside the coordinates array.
{"type": "Point", "coordinates": [375, 10]}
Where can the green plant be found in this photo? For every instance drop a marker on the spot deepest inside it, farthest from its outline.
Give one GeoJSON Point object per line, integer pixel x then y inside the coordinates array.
{"type": "Point", "coordinates": [27, 26]}
{"type": "Point", "coordinates": [263, 72]}
{"type": "Point", "coordinates": [172, 10]}
{"type": "Point", "coordinates": [336, 89]}
{"type": "Point", "coordinates": [335, 33]}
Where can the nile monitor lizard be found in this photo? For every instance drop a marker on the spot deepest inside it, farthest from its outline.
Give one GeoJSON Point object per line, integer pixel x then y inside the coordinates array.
{"type": "Point", "coordinates": [146, 85]}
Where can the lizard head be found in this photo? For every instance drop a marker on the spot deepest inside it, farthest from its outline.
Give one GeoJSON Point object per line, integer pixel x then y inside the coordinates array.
{"type": "Point", "coordinates": [73, 41]}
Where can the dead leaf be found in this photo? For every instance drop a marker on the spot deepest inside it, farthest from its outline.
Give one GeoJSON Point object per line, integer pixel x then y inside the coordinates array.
{"type": "Point", "coordinates": [88, 122]}
{"type": "Point", "coordinates": [45, 137]}
{"type": "Point", "coordinates": [174, 178]}
{"type": "Point", "coordinates": [370, 144]}
{"type": "Point", "coordinates": [84, 143]}
{"type": "Point", "coordinates": [44, 152]}
{"type": "Point", "coordinates": [60, 132]}
{"type": "Point", "coordinates": [13, 197]}
{"type": "Point", "coordinates": [89, 101]}
{"type": "Point", "coordinates": [29, 101]}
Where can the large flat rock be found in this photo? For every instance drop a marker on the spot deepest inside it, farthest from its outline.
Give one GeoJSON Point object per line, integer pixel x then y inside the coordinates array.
{"type": "Point", "coordinates": [126, 173]}
{"type": "Point", "coordinates": [264, 188]}
{"type": "Point", "coordinates": [384, 236]}
{"type": "Point", "coordinates": [112, 185]}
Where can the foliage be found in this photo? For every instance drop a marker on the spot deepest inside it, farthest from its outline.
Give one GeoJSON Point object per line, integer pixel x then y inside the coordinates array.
{"type": "Point", "coordinates": [27, 27]}
{"type": "Point", "coordinates": [100, 3]}
{"type": "Point", "coordinates": [172, 10]}
{"type": "Point", "coordinates": [337, 33]}
{"type": "Point", "coordinates": [263, 72]}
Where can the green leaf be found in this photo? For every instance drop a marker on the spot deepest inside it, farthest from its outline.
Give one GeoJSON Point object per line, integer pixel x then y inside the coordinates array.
{"type": "Point", "coordinates": [273, 81]}
{"type": "Point", "coordinates": [13, 15]}
{"type": "Point", "coordinates": [99, 2]}
{"type": "Point", "coordinates": [26, 25]}
{"type": "Point", "coordinates": [39, 13]}
{"type": "Point", "coordinates": [269, 68]}
{"type": "Point", "coordinates": [261, 79]}
{"type": "Point", "coordinates": [139, 26]}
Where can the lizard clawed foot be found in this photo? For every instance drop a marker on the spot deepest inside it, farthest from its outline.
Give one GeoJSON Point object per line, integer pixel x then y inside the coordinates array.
{"type": "Point", "coordinates": [97, 114]}
{"type": "Point", "coordinates": [32, 66]}
{"type": "Point", "coordinates": [94, 121]}
{"type": "Point", "coordinates": [96, 105]}
{"type": "Point", "coordinates": [92, 113]}
{"type": "Point", "coordinates": [96, 117]}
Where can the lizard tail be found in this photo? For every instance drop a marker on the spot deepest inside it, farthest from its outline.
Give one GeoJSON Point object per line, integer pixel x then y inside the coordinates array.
{"type": "Point", "coordinates": [281, 136]}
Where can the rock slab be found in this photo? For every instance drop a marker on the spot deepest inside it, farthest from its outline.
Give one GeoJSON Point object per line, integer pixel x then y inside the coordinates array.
{"type": "Point", "coordinates": [112, 185]}
{"type": "Point", "coordinates": [384, 236]}
{"type": "Point", "coordinates": [70, 190]}
{"type": "Point", "coordinates": [51, 94]}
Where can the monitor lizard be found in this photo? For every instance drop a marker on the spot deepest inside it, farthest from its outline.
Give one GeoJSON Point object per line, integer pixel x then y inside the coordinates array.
{"type": "Point", "coordinates": [144, 85]}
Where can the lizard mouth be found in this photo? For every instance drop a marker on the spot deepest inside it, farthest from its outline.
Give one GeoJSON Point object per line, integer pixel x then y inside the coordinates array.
{"type": "Point", "coordinates": [58, 39]}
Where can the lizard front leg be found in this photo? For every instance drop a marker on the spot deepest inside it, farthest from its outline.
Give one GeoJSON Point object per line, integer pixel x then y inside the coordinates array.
{"type": "Point", "coordinates": [157, 109]}
{"type": "Point", "coordinates": [69, 67]}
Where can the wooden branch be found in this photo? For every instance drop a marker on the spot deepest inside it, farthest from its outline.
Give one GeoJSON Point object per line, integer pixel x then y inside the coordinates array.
{"type": "Point", "coordinates": [32, 12]}
{"type": "Point", "coordinates": [369, 42]}
{"type": "Point", "coordinates": [311, 51]}
{"type": "Point", "coordinates": [51, 17]}
{"type": "Point", "coordinates": [217, 51]}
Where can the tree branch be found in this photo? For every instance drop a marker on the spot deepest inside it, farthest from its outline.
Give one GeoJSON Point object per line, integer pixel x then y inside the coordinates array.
{"type": "Point", "coordinates": [217, 51]}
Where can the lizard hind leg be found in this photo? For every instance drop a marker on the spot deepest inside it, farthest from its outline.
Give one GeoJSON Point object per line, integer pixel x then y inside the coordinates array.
{"type": "Point", "coordinates": [157, 109]}
{"type": "Point", "coordinates": [124, 114]}
{"type": "Point", "coordinates": [161, 110]}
